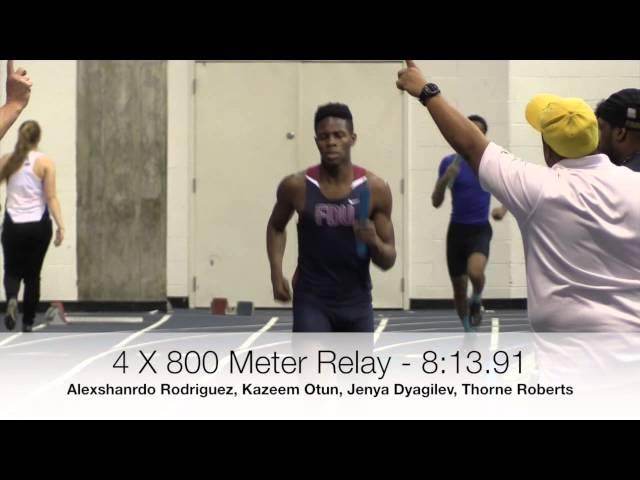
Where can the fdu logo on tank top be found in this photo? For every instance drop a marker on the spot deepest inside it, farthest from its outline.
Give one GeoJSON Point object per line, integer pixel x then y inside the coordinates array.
{"type": "Point", "coordinates": [335, 215]}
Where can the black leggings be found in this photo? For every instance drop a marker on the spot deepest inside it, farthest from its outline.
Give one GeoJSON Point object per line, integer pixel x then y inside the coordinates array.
{"type": "Point", "coordinates": [24, 246]}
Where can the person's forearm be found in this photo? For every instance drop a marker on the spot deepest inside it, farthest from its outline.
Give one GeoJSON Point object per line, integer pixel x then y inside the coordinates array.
{"type": "Point", "coordinates": [383, 255]}
{"type": "Point", "coordinates": [276, 243]}
{"type": "Point", "coordinates": [56, 212]}
{"type": "Point", "coordinates": [9, 113]}
{"type": "Point", "coordinates": [437, 197]}
{"type": "Point", "coordinates": [458, 131]}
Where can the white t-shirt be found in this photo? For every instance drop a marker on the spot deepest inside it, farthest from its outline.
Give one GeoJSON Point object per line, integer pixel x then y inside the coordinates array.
{"type": "Point", "coordinates": [580, 225]}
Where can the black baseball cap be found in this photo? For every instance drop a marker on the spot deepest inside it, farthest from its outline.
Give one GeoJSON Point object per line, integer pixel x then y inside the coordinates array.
{"type": "Point", "coordinates": [622, 109]}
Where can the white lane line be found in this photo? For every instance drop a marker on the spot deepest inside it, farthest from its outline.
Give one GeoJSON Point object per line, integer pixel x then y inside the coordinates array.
{"type": "Point", "coordinates": [415, 342]}
{"type": "Point", "coordinates": [176, 339]}
{"type": "Point", "coordinates": [427, 340]}
{"type": "Point", "coordinates": [442, 329]}
{"type": "Point", "coordinates": [450, 317]}
{"type": "Point", "coordinates": [266, 345]}
{"type": "Point", "coordinates": [10, 339]}
{"type": "Point", "coordinates": [105, 320]}
{"type": "Point", "coordinates": [243, 347]}
{"type": "Point", "coordinates": [495, 334]}
{"type": "Point", "coordinates": [137, 334]}
{"type": "Point", "coordinates": [511, 321]}
{"type": "Point", "coordinates": [82, 365]}
{"type": "Point", "coordinates": [381, 326]}
{"type": "Point", "coordinates": [257, 334]}
{"type": "Point", "coordinates": [74, 336]}
{"type": "Point", "coordinates": [238, 327]}
{"type": "Point", "coordinates": [19, 334]}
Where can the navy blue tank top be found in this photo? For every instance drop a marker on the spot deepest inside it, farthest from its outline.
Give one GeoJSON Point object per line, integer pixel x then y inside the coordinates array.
{"type": "Point", "coordinates": [328, 264]}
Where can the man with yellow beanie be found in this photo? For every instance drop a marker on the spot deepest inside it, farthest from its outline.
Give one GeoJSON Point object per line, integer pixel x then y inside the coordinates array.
{"type": "Point", "coordinates": [579, 216]}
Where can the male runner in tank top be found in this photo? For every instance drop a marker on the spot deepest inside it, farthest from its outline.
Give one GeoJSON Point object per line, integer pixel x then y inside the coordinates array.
{"type": "Point", "coordinates": [337, 238]}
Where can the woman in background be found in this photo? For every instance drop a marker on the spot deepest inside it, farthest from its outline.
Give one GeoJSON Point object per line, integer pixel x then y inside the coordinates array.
{"type": "Point", "coordinates": [27, 230]}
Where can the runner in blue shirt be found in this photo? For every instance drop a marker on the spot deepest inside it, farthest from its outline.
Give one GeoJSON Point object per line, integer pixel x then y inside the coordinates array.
{"type": "Point", "coordinates": [470, 232]}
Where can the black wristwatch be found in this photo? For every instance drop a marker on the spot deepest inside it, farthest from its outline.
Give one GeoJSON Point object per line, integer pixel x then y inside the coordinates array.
{"type": "Point", "coordinates": [430, 90]}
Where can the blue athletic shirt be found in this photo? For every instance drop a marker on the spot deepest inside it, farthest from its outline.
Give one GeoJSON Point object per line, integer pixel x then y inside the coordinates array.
{"type": "Point", "coordinates": [470, 201]}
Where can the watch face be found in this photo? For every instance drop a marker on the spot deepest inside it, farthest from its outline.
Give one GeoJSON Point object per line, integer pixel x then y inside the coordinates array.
{"type": "Point", "coordinates": [432, 88]}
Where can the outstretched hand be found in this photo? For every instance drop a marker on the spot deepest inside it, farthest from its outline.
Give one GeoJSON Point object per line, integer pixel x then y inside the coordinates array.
{"type": "Point", "coordinates": [18, 85]}
{"type": "Point", "coordinates": [411, 79]}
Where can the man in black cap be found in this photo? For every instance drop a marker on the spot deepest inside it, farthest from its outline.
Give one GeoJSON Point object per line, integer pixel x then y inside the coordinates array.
{"type": "Point", "coordinates": [619, 122]}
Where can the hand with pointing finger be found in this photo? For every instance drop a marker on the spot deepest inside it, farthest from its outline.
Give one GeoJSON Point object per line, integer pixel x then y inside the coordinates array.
{"type": "Point", "coordinates": [18, 93]}
{"type": "Point", "coordinates": [411, 79]}
{"type": "Point", "coordinates": [18, 86]}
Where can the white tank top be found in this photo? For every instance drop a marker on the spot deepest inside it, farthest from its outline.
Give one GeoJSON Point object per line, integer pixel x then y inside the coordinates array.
{"type": "Point", "coordinates": [26, 200]}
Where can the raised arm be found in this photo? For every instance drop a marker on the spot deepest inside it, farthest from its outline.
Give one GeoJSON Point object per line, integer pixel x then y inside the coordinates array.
{"type": "Point", "coordinates": [458, 131]}
{"type": "Point", "coordinates": [18, 94]}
